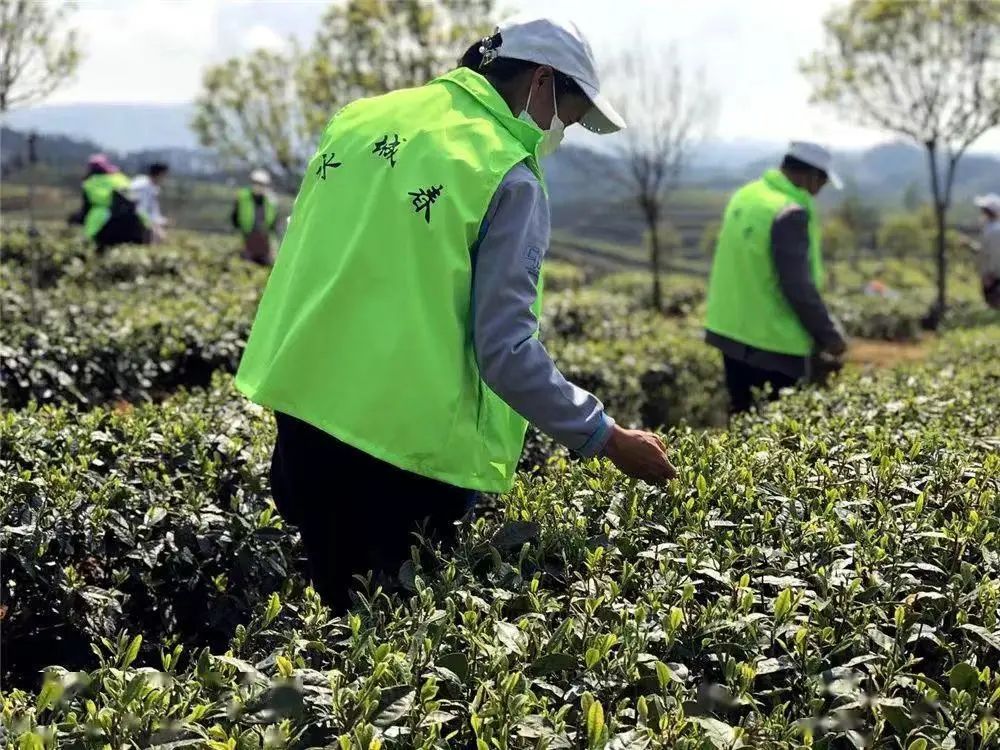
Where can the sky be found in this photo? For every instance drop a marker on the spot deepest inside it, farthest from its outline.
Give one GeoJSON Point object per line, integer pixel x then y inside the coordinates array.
{"type": "Point", "coordinates": [154, 51]}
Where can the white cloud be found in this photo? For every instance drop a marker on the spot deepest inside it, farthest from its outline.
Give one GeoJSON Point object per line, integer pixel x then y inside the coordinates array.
{"type": "Point", "coordinates": [142, 50]}
{"type": "Point", "coordinates": [263, 37]}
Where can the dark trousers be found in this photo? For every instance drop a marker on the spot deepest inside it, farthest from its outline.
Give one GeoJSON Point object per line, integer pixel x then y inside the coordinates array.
{"type": "Point", "coordinates": [354, 512]}
{"type": "Point", "coordinates": [742, 380]}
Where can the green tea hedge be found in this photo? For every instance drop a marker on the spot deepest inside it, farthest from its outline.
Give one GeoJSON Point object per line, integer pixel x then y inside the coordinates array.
{"type": "Point", "coordinates": [152, 519]}
{"type": "Point", "coordinates": [133, 324]}
{"type": "Point", "coordinates": [824, 574]}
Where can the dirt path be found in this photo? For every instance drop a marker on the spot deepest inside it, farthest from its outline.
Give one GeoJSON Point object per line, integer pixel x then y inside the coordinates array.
{"type": "Point", "coordinates": [874, 353]}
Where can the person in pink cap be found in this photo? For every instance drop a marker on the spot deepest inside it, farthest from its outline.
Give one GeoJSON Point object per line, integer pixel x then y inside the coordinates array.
{"type": "Point", "coordinates": [108, 213]}
{"type": "Point", "coordinates": [100, 164]}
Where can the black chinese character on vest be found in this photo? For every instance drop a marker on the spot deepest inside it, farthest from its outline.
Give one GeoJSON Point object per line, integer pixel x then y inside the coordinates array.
{"type": "Point", "coordinates": [387, 149]}
{"type": "Point", "coordinates": [424, 199]}
{"type": "Point", "coordinates": [326, 163]}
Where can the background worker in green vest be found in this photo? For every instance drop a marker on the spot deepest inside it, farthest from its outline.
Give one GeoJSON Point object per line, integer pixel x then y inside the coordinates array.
{"type": "Point", "coordinates": [397, 338]}
{"type": "Point", "coordinates": [255, 215]}
{"type": "Point", "coordinates": [108, 213]}
{"type": "Point", "coordinates": [765, 312]}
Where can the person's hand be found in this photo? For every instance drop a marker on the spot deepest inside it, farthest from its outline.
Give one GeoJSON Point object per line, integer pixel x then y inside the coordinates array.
{"type": "Point", "coordinates": [836, 345]}
{"type": "Point", "coordinates": [836, 348]}
{"type": "Point", "coordinates": [641, 455]}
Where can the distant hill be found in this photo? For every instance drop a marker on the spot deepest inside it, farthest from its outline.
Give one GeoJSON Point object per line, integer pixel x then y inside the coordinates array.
{"type": "Point", "coordinates": [69, 155]}
{"type": "Point", "coordinates": [884, 172]}
{"type": "Point", "coordinates": [119, 127]}
{"type": "Point", "coordinates": [888, 170]}
{"type": "Point", "coordinates": [583, 194]}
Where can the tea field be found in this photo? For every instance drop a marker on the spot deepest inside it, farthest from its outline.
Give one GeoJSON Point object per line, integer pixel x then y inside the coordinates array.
{"type": "Point", "coordinates": [825, 574]}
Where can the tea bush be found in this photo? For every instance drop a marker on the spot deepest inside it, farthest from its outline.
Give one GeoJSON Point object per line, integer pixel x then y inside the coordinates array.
{"type": "Point", "coordinates": [132, 324]}
{"type": "Point", "coordinates": [560, 276]}
{"type": "Point", "coordinates": [822, 574]}
{"type": "Point", "coordinates": [901, 319]}
{"type": "Point", "coordinates": [682, 293]}
{"type": "Point", "coordinates": [660, 379]}
{"type": "Point", "coordinates": [151, 519]}
{"type": "Point", "coordinates": [140, 322]}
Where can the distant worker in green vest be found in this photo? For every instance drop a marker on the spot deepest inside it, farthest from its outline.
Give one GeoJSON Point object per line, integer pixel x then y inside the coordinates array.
{"type": "Point", "coordinates": [765, 311]}
{"type": "Point", "coordinates": [397, 339]}
{"type": "Point", "coordinates": [108, 212]}
{"type": "Point", "coordinates": [255, 215]}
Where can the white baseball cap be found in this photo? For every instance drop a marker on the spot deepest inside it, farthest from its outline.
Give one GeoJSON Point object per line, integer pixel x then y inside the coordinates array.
{"type": "Point", "coordinates": [990, 201]}
{"type": "Point", "coordinates": [817, 156]}
{"type": "Point", "coordinates": [260, 177]}
{"type": "Point", "coordinates": [558, 43]}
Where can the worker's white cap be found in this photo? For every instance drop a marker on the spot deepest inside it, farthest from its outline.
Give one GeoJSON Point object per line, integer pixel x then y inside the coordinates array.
{"type": "Point", "coordinates": [558, 43]}
{"type": "Point", "coordinates": [817, 156]}
{"type": "Point", "coordinates": [990, 201]}
{"type": "Point", "coordinates": [260, 177]}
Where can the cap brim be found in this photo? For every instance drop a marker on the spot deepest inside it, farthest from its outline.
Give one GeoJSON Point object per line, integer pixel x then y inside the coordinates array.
{"type": "Point", "coordinates": [601, 118]}
{"type": "Point", "coordinates": [835, 182]}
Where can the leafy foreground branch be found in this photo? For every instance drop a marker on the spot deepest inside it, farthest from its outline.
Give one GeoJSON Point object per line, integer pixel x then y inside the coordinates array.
{"type": "Point", "coordinates": [824, 575]}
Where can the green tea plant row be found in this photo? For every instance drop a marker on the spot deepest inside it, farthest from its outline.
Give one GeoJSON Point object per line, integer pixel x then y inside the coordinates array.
{"type": "Point", "coordinates": [140, 322]}
{"type": "Point", "coordinates": [134, 324]}
{"type": "Point", "coordinates": [152, 519]}
{"type": "Point", "coordinates": [895, 318]}
{"type": "Point", "coordinates": [825, 574]}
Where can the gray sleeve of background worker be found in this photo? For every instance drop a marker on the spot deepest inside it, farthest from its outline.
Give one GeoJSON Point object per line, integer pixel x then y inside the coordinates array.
{"type": "Point", "coordinates": [512, 361]}
{"type": "Point", "coordinates": [790, 249]}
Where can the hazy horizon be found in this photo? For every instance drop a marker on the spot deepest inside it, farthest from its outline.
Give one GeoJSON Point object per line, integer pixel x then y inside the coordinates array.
{"type": "Point", "coordinates": [153, 52]}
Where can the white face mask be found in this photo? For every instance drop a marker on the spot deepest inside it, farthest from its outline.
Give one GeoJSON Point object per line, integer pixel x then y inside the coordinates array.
{"type": "Point", "coordinates": [552, 137]}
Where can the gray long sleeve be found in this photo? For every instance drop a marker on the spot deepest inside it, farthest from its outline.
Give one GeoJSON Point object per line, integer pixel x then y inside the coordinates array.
{"type": "Point", "coordinates": [512, 361]}
{"type": "Point", "coordinates": [790, 250]}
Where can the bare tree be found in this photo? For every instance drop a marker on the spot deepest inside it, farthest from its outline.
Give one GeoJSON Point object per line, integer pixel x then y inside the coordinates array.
{"type": "Point", "coordinates": [37, 52]}
{"type": "Point", "coordinates": [252, 112]}
{"type": "Point", "coordinates": [928, 70]}
{"type": "Point", "coordinates": [669, 112]}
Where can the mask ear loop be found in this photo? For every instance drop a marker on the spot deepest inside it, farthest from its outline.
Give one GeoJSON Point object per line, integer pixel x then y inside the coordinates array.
{"type": "Point", "coordinates": [528, 103]}
{"type": "Point", "coordinates": [555, 100]}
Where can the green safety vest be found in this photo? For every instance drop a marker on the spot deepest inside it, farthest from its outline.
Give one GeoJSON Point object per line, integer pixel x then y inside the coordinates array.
{"type": "Point", "coordinates": [745, 302]}
{"type": "Point", "coordinates": [100, 190]}
{"type": "Point", "coordinates": [365, 328]}
{"type": "Point", "coordinates": [246, 211]}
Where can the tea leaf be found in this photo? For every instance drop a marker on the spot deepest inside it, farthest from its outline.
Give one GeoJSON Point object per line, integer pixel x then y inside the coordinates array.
{"type": "Point", "coordinates": [595, 722]}
{"type": "Point", "coordinates": [513, 534]}
{"type": "Point", "coordinates": [515, 640]}
{"type": "Point", "coordinates": [719, 733]}
{"type": "Point", "coordinates": [963, 676]}
{"type": "Point", "coordinates": [395, 703]}
{"type": "Point", "coordinates": [273, 608]}
{"type": "Point", "coordinates": [990, 639]}
{"type": "Point", "coordinates": [634, 739]}
{"type": "Point", "coordinates": [782, 605]}
{"type": "Point", "coordinates": [132, 651]}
